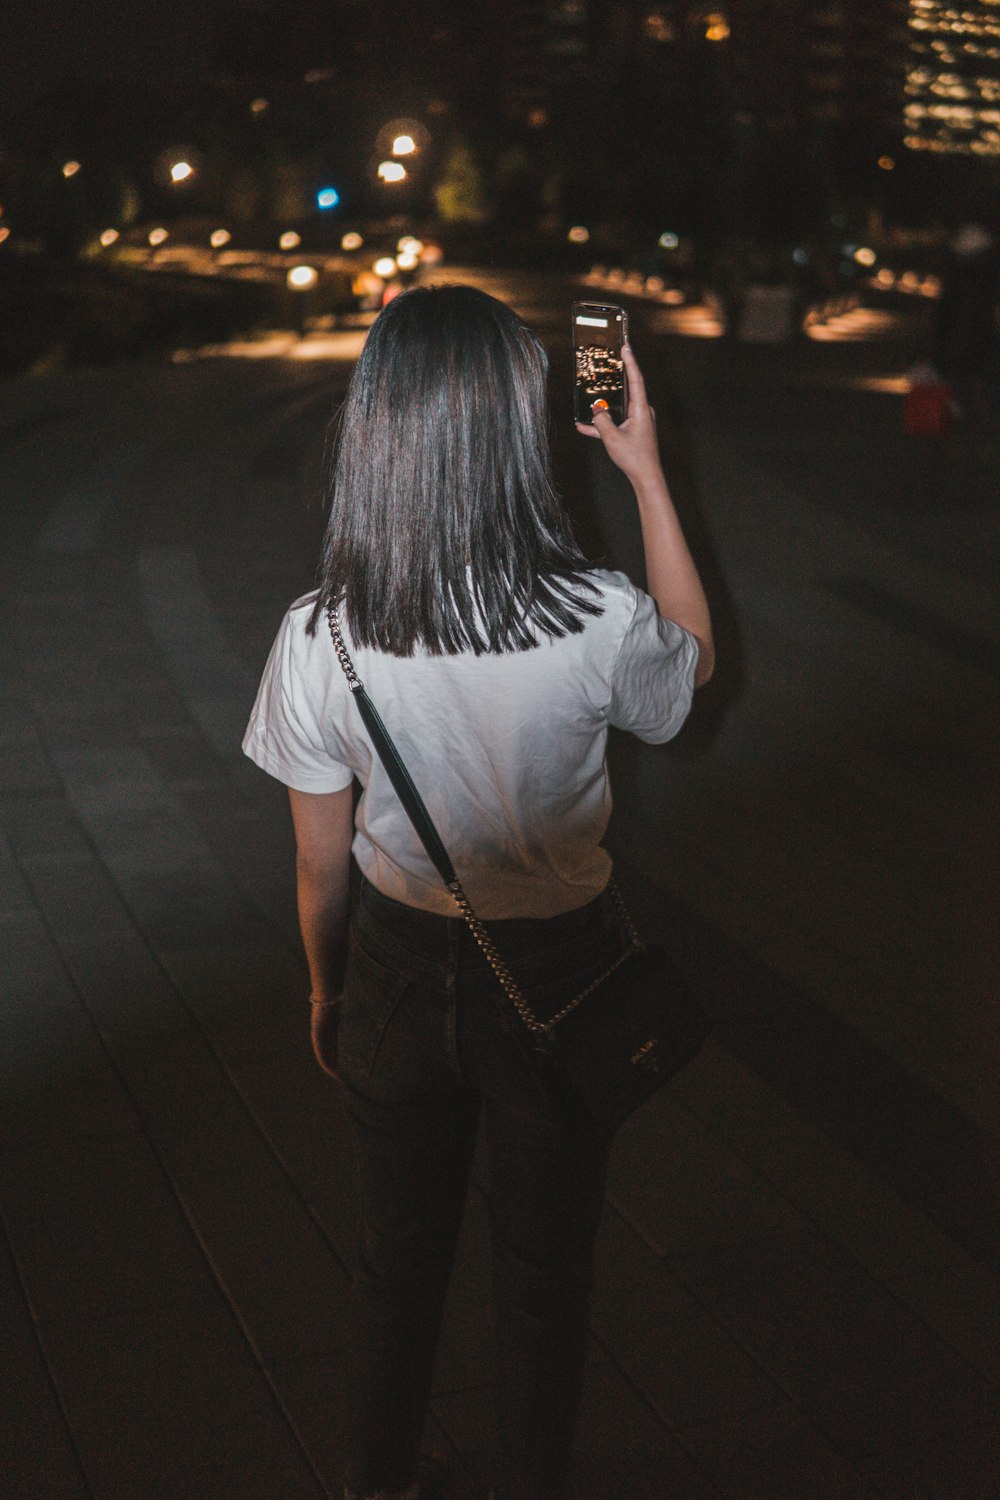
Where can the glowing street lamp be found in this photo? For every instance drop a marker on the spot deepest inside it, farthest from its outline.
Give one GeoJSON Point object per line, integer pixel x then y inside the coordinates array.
{"type": "Point", "coordinates": [180, 171]}
{"type": "Point", "coordinates": [352, 241]}
{"type": "Point", "coordinates": [392, 171]}
{"type": "Point", "coordinates": [385, 267]}
{"type": "Point", "coordinates": [218, 238]}
{"type": "Point", "coordinates": [327, 197]}
{"type": "Point", "coordinates": [290, 240]}
{"type": "Point", "coordinates": [302, 278]}
{"type": "Point", "coordinates": [404, 145]}
{"type": "Point", "coordinates": [108, 237]}
{"type": "Point", "coordinates": [158, 236]}
{"type": "Point", "coordinates": [70, 168]}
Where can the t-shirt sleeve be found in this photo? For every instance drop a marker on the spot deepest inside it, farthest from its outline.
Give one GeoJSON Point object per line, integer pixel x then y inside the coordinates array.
{"type": "Point", "coordinates": [652, 684]}
{"type": "Point", "coordinates": [284, 736]}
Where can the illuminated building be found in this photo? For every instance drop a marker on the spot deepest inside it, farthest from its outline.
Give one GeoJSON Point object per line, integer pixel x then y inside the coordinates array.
{"type": "Point", "coordinates": [952, 89]}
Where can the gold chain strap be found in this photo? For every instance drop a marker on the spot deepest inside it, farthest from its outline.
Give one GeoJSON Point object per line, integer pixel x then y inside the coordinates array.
{"type": "Point", "coordinates": [509, 984]}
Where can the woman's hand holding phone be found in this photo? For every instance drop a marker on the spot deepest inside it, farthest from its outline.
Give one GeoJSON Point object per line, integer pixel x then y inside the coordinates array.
{"type": "Point", "coordinates": [632, 446]}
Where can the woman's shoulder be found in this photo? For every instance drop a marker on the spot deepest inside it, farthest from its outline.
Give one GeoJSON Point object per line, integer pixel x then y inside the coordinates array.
{"type": "Point", "coordinates": [617, 595]}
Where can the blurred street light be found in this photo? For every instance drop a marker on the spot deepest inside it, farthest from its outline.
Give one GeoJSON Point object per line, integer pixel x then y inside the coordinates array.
{"type": "Point", "coordinates": [352, 241]}
{"type": "Point", "coordinates": [302, 278]}
{"type": "Point", "coordinates": [108, 237]}
{"type": "Point", "coordinates": [391, 171]}
{"type": "Point", "coordinates": [328, 197]}
{"type": "Point", "coordinates": [410, 245]}
{"type": "Point", "coordinates": [385, 267]}
{"type": "Point", "coordinates": [180, 171]}
{"type": "Point", "coordinates": [218, 238]}
{"type": "Point", "coordinates": [290, 240]}
{"type": "Point", "coordinates": [668, 240]}
{"type": "Point", "coordinates": [886, 163]}
{"type": "Point", "coordinates": [259, 106]}
{"type": "Point", "coordinates": [578, 235]}
{"type": "Point", "coordinates": [70, 168]}
{"type": "Point", "coordinates": [4, 233]}
{"type": "Point", "coordinates": [717, 27]}
{"type": "Point", "coordinates": [407, 260]}
{"type": "Point", "coordinates": [404, 145]}
{"type": "Point", "coordinates": [864, 256]}
{"type": "Point", "coordinates": [157, 236]}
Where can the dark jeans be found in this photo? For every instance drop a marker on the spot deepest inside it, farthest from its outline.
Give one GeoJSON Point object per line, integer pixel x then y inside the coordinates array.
{"type": "Point", "coordinates": [423, 1054]}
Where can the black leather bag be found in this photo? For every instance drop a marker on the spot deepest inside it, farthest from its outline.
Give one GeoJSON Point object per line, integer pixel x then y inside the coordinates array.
{"type": "Point", "coordinates": [617, 1041]}
{"type": "Point", "coordinates": [627, 1038]}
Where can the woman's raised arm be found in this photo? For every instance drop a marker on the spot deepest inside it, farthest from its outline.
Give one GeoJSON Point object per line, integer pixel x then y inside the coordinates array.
{"type": "Point", "coordinates": [671, 576]}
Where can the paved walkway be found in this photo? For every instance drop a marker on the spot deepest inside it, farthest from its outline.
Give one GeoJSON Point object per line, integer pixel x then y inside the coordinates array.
{"type": "Point", "coordinates": [795, 1296]}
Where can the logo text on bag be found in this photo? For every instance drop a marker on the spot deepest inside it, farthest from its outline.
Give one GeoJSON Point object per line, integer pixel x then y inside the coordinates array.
{"type": "Point", "coordinates": [646, 1057]}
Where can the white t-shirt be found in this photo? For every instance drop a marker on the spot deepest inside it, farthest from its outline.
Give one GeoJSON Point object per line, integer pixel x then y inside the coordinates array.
{"type": "Point", "coordinates": [506, 751]}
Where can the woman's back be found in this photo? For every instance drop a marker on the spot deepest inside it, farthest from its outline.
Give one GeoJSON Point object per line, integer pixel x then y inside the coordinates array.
{"type": "Point", "coordinates": [507, 748]}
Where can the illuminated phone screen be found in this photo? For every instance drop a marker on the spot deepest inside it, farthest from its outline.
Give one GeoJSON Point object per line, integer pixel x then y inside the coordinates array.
{"type": "Point", "coordinates": [598, 331]}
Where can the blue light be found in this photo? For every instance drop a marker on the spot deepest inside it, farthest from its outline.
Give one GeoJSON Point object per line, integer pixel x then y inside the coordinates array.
{"type": "Point", "coordinates": [328, 197]}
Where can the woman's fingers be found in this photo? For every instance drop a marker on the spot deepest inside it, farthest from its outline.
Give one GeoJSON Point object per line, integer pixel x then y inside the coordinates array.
{"type": "Point", "coordinates": [636, 384]}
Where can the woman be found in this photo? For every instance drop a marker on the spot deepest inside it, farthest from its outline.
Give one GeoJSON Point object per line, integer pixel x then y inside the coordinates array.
{"type": "Point", "coordinates": [497, 659]}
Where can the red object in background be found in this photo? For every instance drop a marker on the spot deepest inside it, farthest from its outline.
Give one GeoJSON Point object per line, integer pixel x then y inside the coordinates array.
{"type": "Point", "coordinates": [927, 409]}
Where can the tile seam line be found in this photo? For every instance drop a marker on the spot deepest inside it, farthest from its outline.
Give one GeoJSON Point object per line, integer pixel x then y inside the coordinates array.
{"type": "Point", "coordinates": [44, 1359]}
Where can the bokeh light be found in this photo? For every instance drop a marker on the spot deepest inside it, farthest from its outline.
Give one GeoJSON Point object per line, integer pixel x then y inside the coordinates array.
{"type": "Point", "coordinates": [352, 240]}
{"type": "Point", "coordinates": [290, 240]}
{"type": "Point", "coordinates": [404, 145]}
{"type": "Point", "coordinates": [108, 237]}
{"type": "Point", "coordinates": [385, 266]}
{"type": "Point", "coordinates": [158, 236]}
{"type": "Point", "coordinates": [328, 197]}
{"type": "Point", "coordinates": [70, 168]}
{"type": "Point", "coordinates": [391, 171]}
{"type": "Point", "coordinates": [301, 278]}
{"type": "Point", "coordinates": [181, 171]}
{"type": "Point", "coordinates": [218, 238]}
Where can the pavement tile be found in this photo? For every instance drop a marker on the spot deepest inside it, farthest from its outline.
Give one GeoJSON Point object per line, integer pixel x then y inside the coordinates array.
{"type": "Point", "coordinates": [167, 1404]}
{"type": "Point", "coordinates": [962, 1465]}
{"type": "Point", "coordinates": [281, 1275]}
{"type": "Point", "coordinates": [668, 1346]}
{"type": "Point", "coordinates": [840, 1194]}
{"type": "Point", "coordinates": [683, 1189]}
{"type": "Point", "coordinates": [55, 1077]}
{"type": "Point", "coordinates": [964, 1308]}
{"type": "Point", "coordinates": [778, 1456]}
{"type": "Point", "coordinates": [37, 1456]}
{"type": "Point", "coordinates": [861, 1366]}
{"type": "Point", "coordinates": [95, 1229]}
{"type": "Point", "coordinates": [180, 755]}
{"type": "Point", "coordinates": [622, 1449]}
{"type": "Point", "coordinates": [299, 1111]}
{"type": "Point", "coordinates": [251, 995]}
{"type": "Point", "coordinates": [14, 897]}
{"type": "Point", "coordinates": [44, 828]}
{"type": "Point", "coordinates": [25, 771]}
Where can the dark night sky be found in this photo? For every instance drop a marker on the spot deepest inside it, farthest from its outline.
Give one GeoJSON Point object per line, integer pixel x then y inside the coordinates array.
{"type": "Point", "coordinates": [40, 40]}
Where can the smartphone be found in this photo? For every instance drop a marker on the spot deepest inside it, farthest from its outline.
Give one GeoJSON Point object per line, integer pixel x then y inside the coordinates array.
{"type": "Point", "coordinates": [599, 330]}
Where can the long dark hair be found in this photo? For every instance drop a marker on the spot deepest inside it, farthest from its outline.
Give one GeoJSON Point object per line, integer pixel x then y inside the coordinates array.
{"type": "Point", "coordinates": [445, 529]}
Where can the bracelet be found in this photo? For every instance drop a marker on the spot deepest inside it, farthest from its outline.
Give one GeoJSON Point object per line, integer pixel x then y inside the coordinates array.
{"type": "Point", "coordinates": [321, 1003]}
